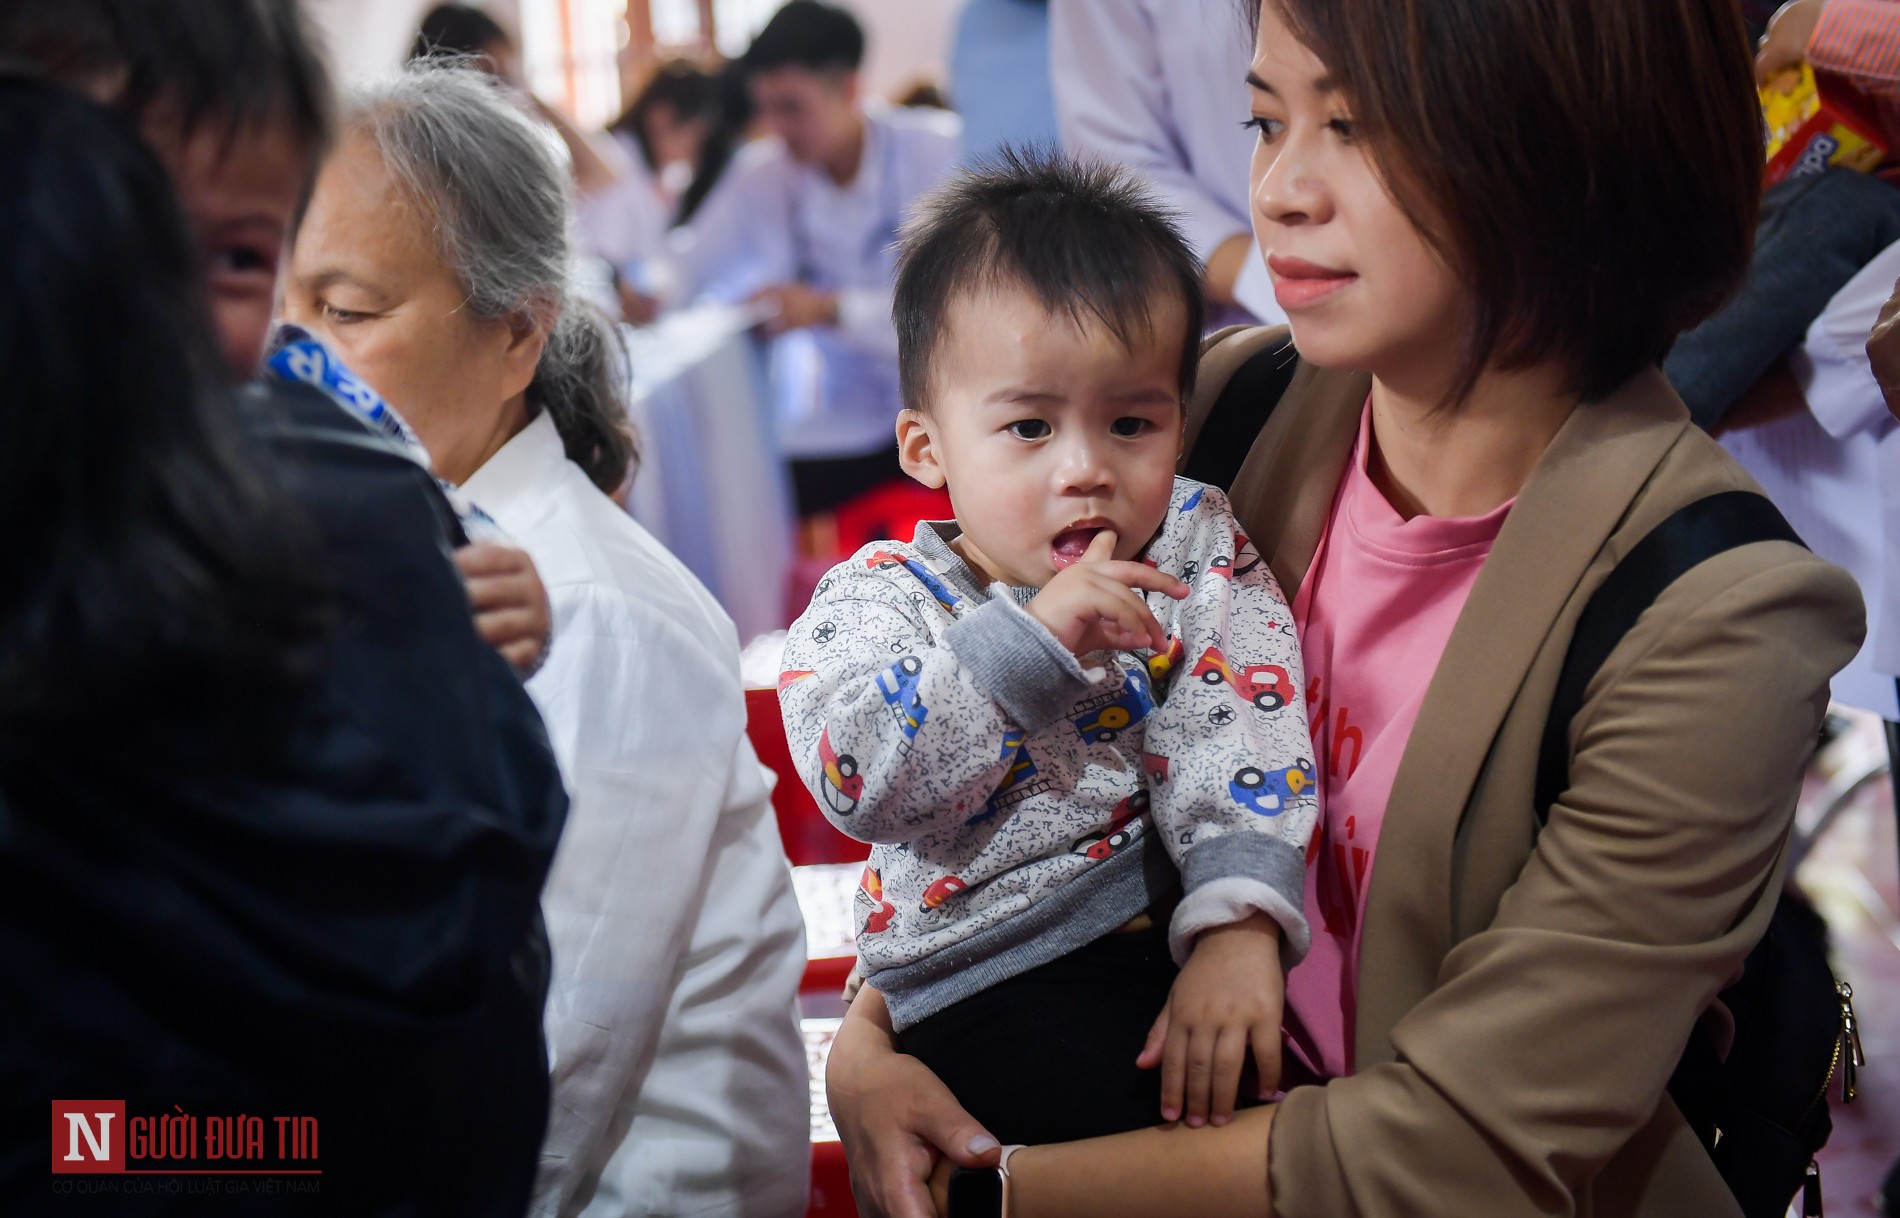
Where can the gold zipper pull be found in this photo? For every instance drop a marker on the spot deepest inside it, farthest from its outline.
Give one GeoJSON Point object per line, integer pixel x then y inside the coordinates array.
{"type": "Point", "coordinates": [1850, 1042]}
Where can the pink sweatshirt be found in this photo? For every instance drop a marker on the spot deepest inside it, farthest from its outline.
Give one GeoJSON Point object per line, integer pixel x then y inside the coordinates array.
{"type": "Point", "coordinates": [1373, 615]}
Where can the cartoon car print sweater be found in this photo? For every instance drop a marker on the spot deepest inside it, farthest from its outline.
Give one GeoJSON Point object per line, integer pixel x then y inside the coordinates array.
{"type": "Point", "coordinates": [1022, 804]}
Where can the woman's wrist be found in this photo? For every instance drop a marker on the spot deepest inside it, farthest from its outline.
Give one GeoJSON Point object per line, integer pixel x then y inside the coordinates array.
{"type": "Point", "coordinates": [1144, 1174]}
{"type": "Point", "coordinates": [864, 1036]}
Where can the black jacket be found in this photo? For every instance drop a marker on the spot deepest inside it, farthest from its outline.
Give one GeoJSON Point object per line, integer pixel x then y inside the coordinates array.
{"type": "Point", "coordinates": [345, 925]}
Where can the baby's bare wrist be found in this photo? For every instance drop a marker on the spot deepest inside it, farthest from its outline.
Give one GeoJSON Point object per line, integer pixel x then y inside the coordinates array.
{"type": "Point", "coordinates": [1257, 932]}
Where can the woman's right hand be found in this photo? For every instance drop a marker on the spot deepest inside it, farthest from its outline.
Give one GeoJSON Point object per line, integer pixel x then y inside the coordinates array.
{"type": "Point", "coordinates": [896, 1119]}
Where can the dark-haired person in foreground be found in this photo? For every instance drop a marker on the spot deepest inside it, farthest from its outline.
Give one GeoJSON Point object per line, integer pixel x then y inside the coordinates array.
{"type": "Point", "coordinates": [340, 916]}
{"type": "Point", "coordinates": [1474, 434]}
{"type": "Point", "coordinates": [1075, 715]}
{"type": "Point", "coordinates": [806, 224]}
{"type": "Point", "coordinates": [273, 819]}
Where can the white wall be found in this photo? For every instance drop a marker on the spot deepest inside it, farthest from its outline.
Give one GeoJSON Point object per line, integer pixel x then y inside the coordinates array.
{"type": "Point", "coordinates": [365, 37]}
{"type": "Point", "coordinates": [907, 39]}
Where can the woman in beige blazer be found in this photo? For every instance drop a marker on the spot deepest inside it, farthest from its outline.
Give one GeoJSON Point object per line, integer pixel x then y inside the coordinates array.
{"type": "Point", "coordinates": [1501, 211]}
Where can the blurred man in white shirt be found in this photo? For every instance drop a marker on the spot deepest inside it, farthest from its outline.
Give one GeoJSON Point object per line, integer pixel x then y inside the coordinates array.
{"type": "Point", "coordinates": [1161, 86]}
{"type": "Point", "coordinates": [806, 230]}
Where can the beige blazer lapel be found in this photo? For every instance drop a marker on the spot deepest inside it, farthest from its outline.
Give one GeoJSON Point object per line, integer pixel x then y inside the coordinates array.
{"type": "Point", "coordinates": [1574, 500]}
{"type": "Point", "coordinates": [1285, 490]}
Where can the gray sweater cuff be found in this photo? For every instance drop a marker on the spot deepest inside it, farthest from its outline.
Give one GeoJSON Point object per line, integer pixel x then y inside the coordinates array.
{"type": "Point", "coordinates": [1018, 663]}
{"type": "Point", "coordinates": [1271, 867]}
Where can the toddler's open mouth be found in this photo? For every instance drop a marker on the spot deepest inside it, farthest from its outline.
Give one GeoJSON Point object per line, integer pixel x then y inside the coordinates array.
{"type": "Point", "coordinates": [1070, 544]}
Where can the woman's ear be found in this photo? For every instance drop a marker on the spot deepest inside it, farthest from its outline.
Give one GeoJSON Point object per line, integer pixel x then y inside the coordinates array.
{"type": "Point", "coordinates": [916, 448]}
{"type": "Point", "coordinates": [528, 332]}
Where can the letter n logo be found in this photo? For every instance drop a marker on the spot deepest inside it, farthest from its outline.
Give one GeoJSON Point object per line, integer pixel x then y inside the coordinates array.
{"type": "Point", "coordinates": [88, 1136]}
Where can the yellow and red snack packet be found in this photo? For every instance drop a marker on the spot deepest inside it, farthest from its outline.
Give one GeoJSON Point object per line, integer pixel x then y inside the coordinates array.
{"type": "Point", "coordinates": [1814, 123]}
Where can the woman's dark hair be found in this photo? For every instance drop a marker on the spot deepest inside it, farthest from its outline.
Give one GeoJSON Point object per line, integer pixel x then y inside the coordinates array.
{"type": "Point", "coordinates": [498, 203]}
{"type": "Point", "coordinates": [1083, 237]}
{"type": "Point", "coordinates": [1590, 168]}
{"type": "Point", "coordinates": [717, 98]}
{"type": "Point", "coordinates": [809, 34]}
{"type": "Point", "coordinates": [242, 63]}
{"type": "Point", "coordinates": [154, 570]}
{"type": "Point", "coordinates": [457, 31]}
{"type": "Point", "coordinates": [728, 134]}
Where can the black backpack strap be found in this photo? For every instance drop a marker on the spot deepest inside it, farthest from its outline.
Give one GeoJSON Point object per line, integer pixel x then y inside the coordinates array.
{"type": "Point", "coordinates": [1691, 535]}
{"type": "Point", "coordinates": [1247, 400]}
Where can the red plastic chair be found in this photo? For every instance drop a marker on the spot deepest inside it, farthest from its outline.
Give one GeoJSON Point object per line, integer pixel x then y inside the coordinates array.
{"type": "Point", "coordinates": [809, 839]}
{"type": "Point", "coordinates": [888, 511]}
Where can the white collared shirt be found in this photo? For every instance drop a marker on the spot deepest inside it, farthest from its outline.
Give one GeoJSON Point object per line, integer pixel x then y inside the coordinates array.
{"type": "Point", "coordinates": [679, 1075]}
{"type": "Point", "coordinates": [774, 220]}
{"type": "Point", "coordinates": [1160, 86]}
{"type": "Point", "coordinates": [1837, 378]}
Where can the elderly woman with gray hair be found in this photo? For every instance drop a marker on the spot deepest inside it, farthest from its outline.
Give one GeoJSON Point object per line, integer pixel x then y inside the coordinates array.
{"type": "Point", "coordinates": [435, 257]}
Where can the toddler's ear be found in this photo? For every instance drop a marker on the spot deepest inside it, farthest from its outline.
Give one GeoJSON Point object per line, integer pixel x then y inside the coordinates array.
{"type": "Point", "coordinates": [916, 448]}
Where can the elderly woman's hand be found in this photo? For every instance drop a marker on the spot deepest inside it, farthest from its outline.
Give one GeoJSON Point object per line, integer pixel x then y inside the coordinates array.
{"type": "Point", "coordinates": [1883, 351]}
{"type": "Point", "coordinates": [510, 602]}
{"type": "Point", "coordinates": [896, 1119]}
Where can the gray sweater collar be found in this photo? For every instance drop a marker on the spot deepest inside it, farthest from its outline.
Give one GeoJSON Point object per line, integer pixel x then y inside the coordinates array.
{"type": "Point", "coordinates": [933, 539]}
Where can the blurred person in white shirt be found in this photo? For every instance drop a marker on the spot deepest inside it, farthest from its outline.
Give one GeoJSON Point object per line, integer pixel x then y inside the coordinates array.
{"type": "Point", "coordinates": [679, 133]}
{"type": "Point", "coordinates": [1150, 84]}
{"type": "Point", "coordinates": [806, 228]}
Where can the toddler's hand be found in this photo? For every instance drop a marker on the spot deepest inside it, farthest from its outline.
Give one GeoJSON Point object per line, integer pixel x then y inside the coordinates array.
{"type": "Point", "coordinates": [511, 603]}
{"type": "Point", "coordinates": [1093, 605]}
{"type": "Point", "coordinates": [1229, 995]}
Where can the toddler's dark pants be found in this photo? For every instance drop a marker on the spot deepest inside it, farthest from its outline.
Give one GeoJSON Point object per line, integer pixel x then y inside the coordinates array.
{"type": "Point", "coordinates": [1049, 1055]}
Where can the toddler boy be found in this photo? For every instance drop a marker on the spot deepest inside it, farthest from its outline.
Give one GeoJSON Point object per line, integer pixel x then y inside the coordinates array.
{"type": "Point", "coordinates": [1075, 704]}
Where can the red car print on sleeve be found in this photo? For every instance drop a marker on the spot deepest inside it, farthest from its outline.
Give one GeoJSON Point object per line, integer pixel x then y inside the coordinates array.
{"type": "Point", "coordinates": [1267, 686]}
{"type": "Point", "coordinates": [1105, 842]}
{"type": "Point", "coordinates": [1246, 558]}
{"type": "Point", "coordinates": [941, 891]}
{"type": "Point", "coordinates": [872, 885]}
{"type": "Point", "coordinates": [843, 786]}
